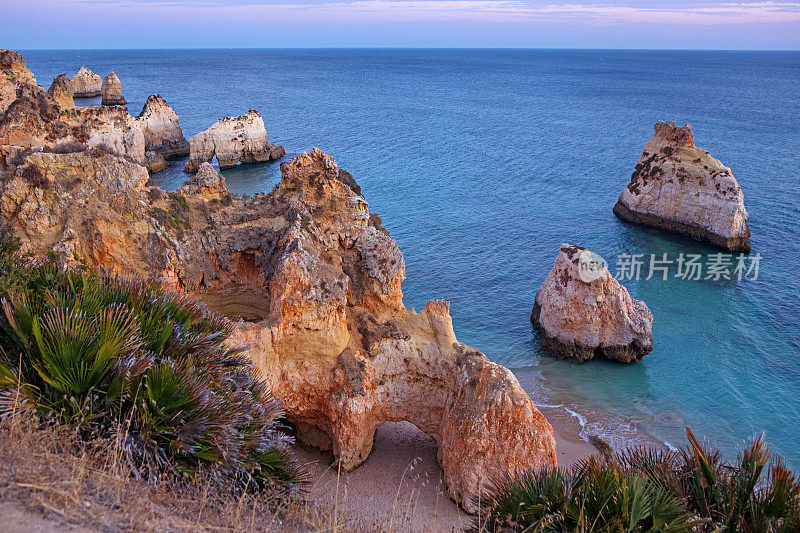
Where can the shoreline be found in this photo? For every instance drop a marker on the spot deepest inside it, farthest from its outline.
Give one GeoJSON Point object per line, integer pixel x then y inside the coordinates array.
{"type": "Point", "coordinates": [400, 485]}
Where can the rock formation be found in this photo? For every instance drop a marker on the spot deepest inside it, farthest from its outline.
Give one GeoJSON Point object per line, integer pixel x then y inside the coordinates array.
{"type": "Point", "coordinates": [233, 140]}
{"type": "Point", "coordinates": [111, 90]}
{"type": "Point", "coordinates": [680, 187]}
{"type": "Point", "coordinates": [317, 280]}
{"type": "Point", "coordinates": [582, 312]}
{"type": "Point", "coordinates": [86, 84]}
{"type": "Point", "coordinates": [13, 75]}
{"type": "Point", "coordinates": [162, 133]}
{"type": "Point", "coordinates": [61, 92]}
{"type": "Point", "coordinates": [207, 184]}
{"type": "Point", "coordinates": [35, 120]}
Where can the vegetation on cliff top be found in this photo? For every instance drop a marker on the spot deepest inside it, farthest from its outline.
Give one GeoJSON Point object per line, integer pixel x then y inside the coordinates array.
{"type": "Point", "coordinates": [115, 357]}
{"type": "Point", "coordinates": [646, 489]}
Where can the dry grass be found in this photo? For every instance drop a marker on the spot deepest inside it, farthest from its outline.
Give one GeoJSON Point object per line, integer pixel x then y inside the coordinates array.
{"type": "Point", "coordinates": [53, 474]}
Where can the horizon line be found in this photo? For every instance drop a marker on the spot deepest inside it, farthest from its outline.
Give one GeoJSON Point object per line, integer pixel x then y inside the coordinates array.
{"type": "Point", "coordinates": [390, 47]}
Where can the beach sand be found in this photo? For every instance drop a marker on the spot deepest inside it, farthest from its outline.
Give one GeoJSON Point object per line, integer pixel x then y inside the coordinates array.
{"type": "Point", "coordinates": [399, 487]}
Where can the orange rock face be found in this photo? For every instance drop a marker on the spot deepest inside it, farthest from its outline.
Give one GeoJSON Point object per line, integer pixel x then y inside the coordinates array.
{"type": "Point", "coordinates": [13, 74]}
{"type": "Point", "coordinates": [61, 91]}
{"type": "Point", "coordinates": [317, 282]}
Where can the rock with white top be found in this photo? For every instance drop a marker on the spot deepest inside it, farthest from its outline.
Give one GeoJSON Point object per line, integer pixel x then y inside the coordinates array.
{"type": "Point", "coordinates": [582, 312]}
{"type": "Point", "coordinates": [233, 140]}
{"type": "Point", "coordinates": [680, 188]}
{"type": "Point", "coordinates": [86, 84]}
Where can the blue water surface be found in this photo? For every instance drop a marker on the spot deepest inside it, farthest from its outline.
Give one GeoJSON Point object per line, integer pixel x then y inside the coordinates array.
{"type": "Point", "coordinates": [482, 161]}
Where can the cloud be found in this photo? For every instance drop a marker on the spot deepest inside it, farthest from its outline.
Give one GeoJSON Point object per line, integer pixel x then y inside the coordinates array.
{"type": "Point", "coordinates": [690, 13]}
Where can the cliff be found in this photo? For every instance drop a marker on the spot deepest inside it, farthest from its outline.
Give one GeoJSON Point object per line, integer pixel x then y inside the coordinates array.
{"type": "Point", "coordinates": [13, 75]}
{"type": "Point", "coordinates": [316, 279]}
{"type": "Point", "coordinates": [61, 91]}
{"type": "Point", "coordinates": [679, 187]}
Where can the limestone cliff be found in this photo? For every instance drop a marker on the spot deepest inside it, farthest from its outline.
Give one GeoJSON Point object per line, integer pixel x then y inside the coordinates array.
{"type": "Point", "coordinates": [13, 75]}
{"type": "Point", "coordinates": [61, 91]}
{"type": "Point", "coordinates": [161, 129]}
{"type": "Point", "coordinates": [36, 120]}
{"type": "Point", "coordinates": [233, 140]}
{"type": "Point", "coordinates": [582, 312]}
{"type": "Point", "coordinates": [680, 187]}
{"type": "Point", "coordinates": [317, 280]}
{"type": "Point", "coordinates": [86, 84]}
{"type": "Point", "coordinates": [111, 90]}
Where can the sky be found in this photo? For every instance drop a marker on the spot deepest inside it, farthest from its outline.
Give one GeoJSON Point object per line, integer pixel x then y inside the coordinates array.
{"type": "Point", "coordinates": [648, 24]}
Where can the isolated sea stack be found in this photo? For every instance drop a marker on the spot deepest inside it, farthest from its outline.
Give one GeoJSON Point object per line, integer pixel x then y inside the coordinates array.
{"type": "Point", "coordinates": [86, 84]}
{"type": "Point", "coordinates": [161, 129]}
{"type": "Point", "coordinates": [162, 133]}
{"type": "Point", "coordinates": [111, 90]}
{"type": "Point", "coordinates": [679, 187]}
{"type": "Point", "coordinates": [61, 92]}
{"type": "Point", "coordinates": [582, 312]}
{"type": "Point", "coordinates": [233, 140]}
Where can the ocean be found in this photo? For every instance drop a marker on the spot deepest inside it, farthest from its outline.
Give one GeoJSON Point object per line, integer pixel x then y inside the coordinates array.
{"type": "Point", "coordinates": [481, 162]}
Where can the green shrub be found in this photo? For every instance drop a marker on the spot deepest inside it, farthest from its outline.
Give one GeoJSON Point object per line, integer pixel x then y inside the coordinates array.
{"type": "Point", "coordinates": [646, 489]}
{"type": "Point", "coordinates": [115, 356]}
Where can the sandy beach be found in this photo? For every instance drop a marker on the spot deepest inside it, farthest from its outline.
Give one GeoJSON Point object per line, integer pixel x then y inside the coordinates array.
{"type": "Point", "coordinates": [399, 487]}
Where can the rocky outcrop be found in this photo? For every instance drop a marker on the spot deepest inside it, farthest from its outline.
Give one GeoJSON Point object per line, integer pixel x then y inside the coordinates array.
{"type": "Point", "coordinates": [111, 90]}
{"type": "Point", "coordinates": [61, 92]}
{"type": "Point", "coordinates": [162, 132]}
{"type": "Point", "coordinates": [86, 84]}
{"type": "Point", "coordinates": [679, 187]}
{"type": "Point", "coordinates": [316, 279]}
{"type": "Point", "coordinates": [13, 75]}
{"type": "Point", "coordinates": [233, 140]}
{"type": "Point", "coordinates": [582, 312]}
{"type": "Point", "coordinates": [207, 184]}
{"type": "Point", "coordinates": [35, 120]}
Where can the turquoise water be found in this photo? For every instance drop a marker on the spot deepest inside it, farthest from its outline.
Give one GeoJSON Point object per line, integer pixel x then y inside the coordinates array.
{"type": "Point", "coordinates": [482, 161]}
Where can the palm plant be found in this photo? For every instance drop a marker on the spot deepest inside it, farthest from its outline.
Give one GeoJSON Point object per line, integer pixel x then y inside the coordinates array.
{"type": "Point", "coordinates": [592, 496]}
{"type": "Point", "coordinates": [647, 489]}
{"type": "Point", "coordinates": [113, 355]}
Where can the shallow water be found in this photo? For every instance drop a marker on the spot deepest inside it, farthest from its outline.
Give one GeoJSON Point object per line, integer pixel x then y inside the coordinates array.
{"type": "Point", "coordinates": [482, 161]}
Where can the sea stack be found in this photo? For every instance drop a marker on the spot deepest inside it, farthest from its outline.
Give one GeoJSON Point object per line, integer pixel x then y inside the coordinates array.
{"type": "Point", "coordinates": [163, 136]}
{"type": "Point", "coordinates": [86, 84]}
{"type": "Point", "coordinates": [233, 140]}
{"type": "Point", "coordinates": [61, 92]}
{"type": "Point", "coordinates": [679, 187]}
{"type": "Point", "coordinates": [111, 90]}
{"type": "Point", "coordinates": [582, 312]}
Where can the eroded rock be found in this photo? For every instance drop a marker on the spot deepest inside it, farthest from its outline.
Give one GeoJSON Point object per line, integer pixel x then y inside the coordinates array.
{"type": "Point", "coordinates": [111, 90]}
{"type": "Point", "coordinates": [582, 312]}
{"type": "Point", "coordinates": [207, 184]}
{"type": "Point", "coordinates": [679, 187]}
{"type": "Point", "coordinates": [233, 140]}
{"type": "Point", "coordinates": [61, 91]}
{"type": "Point", "coordinates": [13, 75]}
{"type": "Point", "coordinates": [161, 129]}
{"type": "Point", "coordinates": [35, 120]}
{"type": "Point", "coordinates": [86, 84]}
{"type": "Point", "coordinates": [317, 280]}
